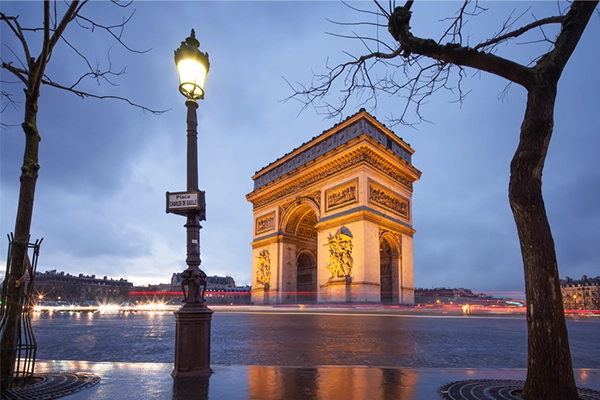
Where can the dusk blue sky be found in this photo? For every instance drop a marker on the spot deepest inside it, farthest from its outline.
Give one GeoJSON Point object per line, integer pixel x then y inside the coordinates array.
{"type": "Point", "coordinates": [105, 166]}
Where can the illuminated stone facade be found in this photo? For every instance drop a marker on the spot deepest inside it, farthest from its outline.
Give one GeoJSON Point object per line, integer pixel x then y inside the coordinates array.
{"type": "Point", "coordinates": [581, 294]}
{"type": "Point", "coordinates": [334, 217]}
{"type": "Point", "coordinates": [61, 286]}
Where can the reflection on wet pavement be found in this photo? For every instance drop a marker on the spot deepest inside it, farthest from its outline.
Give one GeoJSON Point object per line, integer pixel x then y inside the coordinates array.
{"type": "Point", "coordinates": [153, 381]}
{"type": "Point", "coordinates": [309, 339]}
{"type": "Point", "coordinates": [331, 383]}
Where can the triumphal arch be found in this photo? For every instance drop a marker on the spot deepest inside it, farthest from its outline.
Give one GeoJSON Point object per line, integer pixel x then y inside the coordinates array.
{"type": "Point", "coordinates": [333, 219]}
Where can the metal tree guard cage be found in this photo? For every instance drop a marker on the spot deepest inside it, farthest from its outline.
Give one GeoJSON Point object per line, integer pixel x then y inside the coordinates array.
{"type": "Point", "coordinates": [25, 345]}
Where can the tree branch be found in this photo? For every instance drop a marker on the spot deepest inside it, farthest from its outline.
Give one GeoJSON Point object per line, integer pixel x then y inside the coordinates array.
{"type": "Point", "coordinates": [454, 31]}
{"type": "Point", "coordinates": [36, 71]}
{"type": "Point", "coordinates": [421, 79]}
{"type": "Point", "coordinates": [32, 74]}
{"type": "Point", "coordinates": [363, 39]}
{"type": "Point", "coordinates": [351, 69]}
{"type": "Point", "coordinates": [383, 11]}
{"type": "Point", "coordinates": [18, 72]}
{"type": "Point", "coordinates": [399, 27]}
{"type": "Point", "coordinates": [14, 26]}
{"type": "Point", "coordinates": [9, 102]}
{"type": "Point", "coordinates": [110, 28]}
{"type": "Point", "coordinates": [518, 32]}
{"type": "Point", "coordinates": [573, 26]}
{"type": "Point", "coordinates": [84, 95]}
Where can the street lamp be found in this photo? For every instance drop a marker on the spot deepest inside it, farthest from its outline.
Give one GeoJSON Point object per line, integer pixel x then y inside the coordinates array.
{"type": "Point", "coordinates": [192, 66]}
{"type": "Point", "coordinates": [192, 333]}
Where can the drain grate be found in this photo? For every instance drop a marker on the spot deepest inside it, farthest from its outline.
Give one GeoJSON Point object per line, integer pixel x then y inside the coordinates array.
{"type": "Point", "coordinates": [51, 386]}
{"type": "Point", "coordinates": [494, 389]}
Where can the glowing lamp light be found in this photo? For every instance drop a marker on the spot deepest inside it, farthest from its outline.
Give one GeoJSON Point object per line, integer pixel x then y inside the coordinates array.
{"type": "Point", "coordinates": [192, 66]}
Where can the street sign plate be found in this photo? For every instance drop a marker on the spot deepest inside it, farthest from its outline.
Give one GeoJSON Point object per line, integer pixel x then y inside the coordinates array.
{"type": "Point", "coordinates": [182, 202]}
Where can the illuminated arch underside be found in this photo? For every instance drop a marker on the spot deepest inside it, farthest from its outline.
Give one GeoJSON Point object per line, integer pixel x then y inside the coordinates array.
{"type": "Point", "coordinates": [302, 223]}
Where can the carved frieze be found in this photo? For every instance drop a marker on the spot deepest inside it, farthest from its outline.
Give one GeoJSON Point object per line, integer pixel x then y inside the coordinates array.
{"type": "Point", "coordinates": [360, 155]}
{"type": "Point", "coordinates": [388, 199]}
{"type": "Point", "coordinates": [265, 223]}
{"type": "Point", "coordinates": [341, 195]}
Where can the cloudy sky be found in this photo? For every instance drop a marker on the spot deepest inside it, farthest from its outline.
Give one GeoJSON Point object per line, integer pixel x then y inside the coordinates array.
{"type": "Point", "coordinates": [105, 166]}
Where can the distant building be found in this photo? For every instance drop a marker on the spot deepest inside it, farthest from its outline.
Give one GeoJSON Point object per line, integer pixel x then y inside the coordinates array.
{"type": "Point", "coordinates": [161, 287]}
{"type": "Point", "coordinates": [581, 294]}
{"type": "Point", "coordinates": [458, 296]}
{"type": "Point", "coordinates": [60, 286]}
{"type": "Point", "coordinates": [443, 295]}
{"type": "Point", "coordinates": [219, 290]}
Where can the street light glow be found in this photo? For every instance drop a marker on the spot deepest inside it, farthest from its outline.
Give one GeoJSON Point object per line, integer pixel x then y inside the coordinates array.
{"type": "Point", "coordinates": [192, 75]}
{"type": "Point", "coordinates": [192, 66]}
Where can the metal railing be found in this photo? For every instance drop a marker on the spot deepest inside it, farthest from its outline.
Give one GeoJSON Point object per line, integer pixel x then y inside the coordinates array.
{"type": "Point", "coordinates": [24, 345]}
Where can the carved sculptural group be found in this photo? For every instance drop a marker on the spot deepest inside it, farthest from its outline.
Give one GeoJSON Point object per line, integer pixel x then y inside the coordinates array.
{"type": "Point", "coordinates": [340, 253]}
{"type": "Point", "coordinates": [263, 269]}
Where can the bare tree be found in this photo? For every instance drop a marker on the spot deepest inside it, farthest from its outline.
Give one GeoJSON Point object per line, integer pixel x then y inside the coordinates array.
{"type": "Point", "coordinates": [30, 72]}
{"type": "Point", "coordinates": [426, 66]}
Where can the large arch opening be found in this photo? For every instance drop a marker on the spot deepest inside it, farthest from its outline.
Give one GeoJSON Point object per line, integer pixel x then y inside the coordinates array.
{"type": "Point", "coordinates": [386, 263]}
{"type": "Point", "coordinates": [306, 286]}
{"type": "Point", "coordinates": [302, 231]}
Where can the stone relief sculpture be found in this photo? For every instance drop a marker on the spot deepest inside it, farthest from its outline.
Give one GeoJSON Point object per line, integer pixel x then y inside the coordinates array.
{"type": "Point", "coordinates": [340, 253]}
{"type": "Point", "coordinates": [341, 195]}
{"type": "Point", "coordinates": [394, 203]}
{"type": "Point", "coordinates": [263, 268]}
{"type": "Point", "coordinates": [265, 223]}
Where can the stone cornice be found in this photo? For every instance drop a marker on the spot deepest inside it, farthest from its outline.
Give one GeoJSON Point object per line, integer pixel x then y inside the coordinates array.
{"type": "Point", "coordinates": [265, 240]}
{"type": "Point", "coordinates": [366, 153]}
{"type": "Point", "coordinates": [278, 237]}
{"type": "Point", "coordinates": [362, 123]}
{"type": "Point", "coordinates": [366, 214]}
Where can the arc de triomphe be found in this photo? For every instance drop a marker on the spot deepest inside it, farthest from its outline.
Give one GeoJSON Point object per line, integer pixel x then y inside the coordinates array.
{"type": "Point", "coordinates": [333, 219]}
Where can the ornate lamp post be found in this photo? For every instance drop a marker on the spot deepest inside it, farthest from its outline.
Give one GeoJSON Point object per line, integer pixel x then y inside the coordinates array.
{"type": "Point", "coordinates": [192, 334]}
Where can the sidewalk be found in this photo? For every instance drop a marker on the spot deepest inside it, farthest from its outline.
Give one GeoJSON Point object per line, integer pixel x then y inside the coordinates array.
{"type": "Point", "coordinates": [153, 381]}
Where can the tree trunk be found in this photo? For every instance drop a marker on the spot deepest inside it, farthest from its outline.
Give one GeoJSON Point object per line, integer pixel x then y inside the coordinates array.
{"type": "Point", "coordinates": [549, 367]}
{"type": "Point", "coordinates": [29, 175]}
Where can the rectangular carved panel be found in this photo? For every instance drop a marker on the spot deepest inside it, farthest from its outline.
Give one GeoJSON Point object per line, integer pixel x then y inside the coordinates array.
{"type": "Point", "coordinates": [265, 223]}
{"type": "Point", "coordinates": [389, 200]}
{"type": "Point", "coordinates": [341, 195]}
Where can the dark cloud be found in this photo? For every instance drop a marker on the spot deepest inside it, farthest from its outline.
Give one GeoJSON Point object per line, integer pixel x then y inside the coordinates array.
{"type": "Point", "coordinates": [106, 166]}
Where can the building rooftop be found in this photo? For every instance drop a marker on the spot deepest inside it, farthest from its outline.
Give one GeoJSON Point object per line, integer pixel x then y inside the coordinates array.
{"type": "Point", "coordinates": [585, 281]}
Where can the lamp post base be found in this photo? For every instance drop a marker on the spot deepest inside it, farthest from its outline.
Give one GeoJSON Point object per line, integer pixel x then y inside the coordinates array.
{"type": "Point", "coordinates": [192, 341]}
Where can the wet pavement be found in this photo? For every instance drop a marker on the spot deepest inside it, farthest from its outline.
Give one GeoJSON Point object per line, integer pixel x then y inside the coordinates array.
{"type": "Point", "coordinates": [300, 354]}
{"type": "Point", "coordinates": [310, 339]}
{"type": "Point", "coordinates": [153, 381]}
